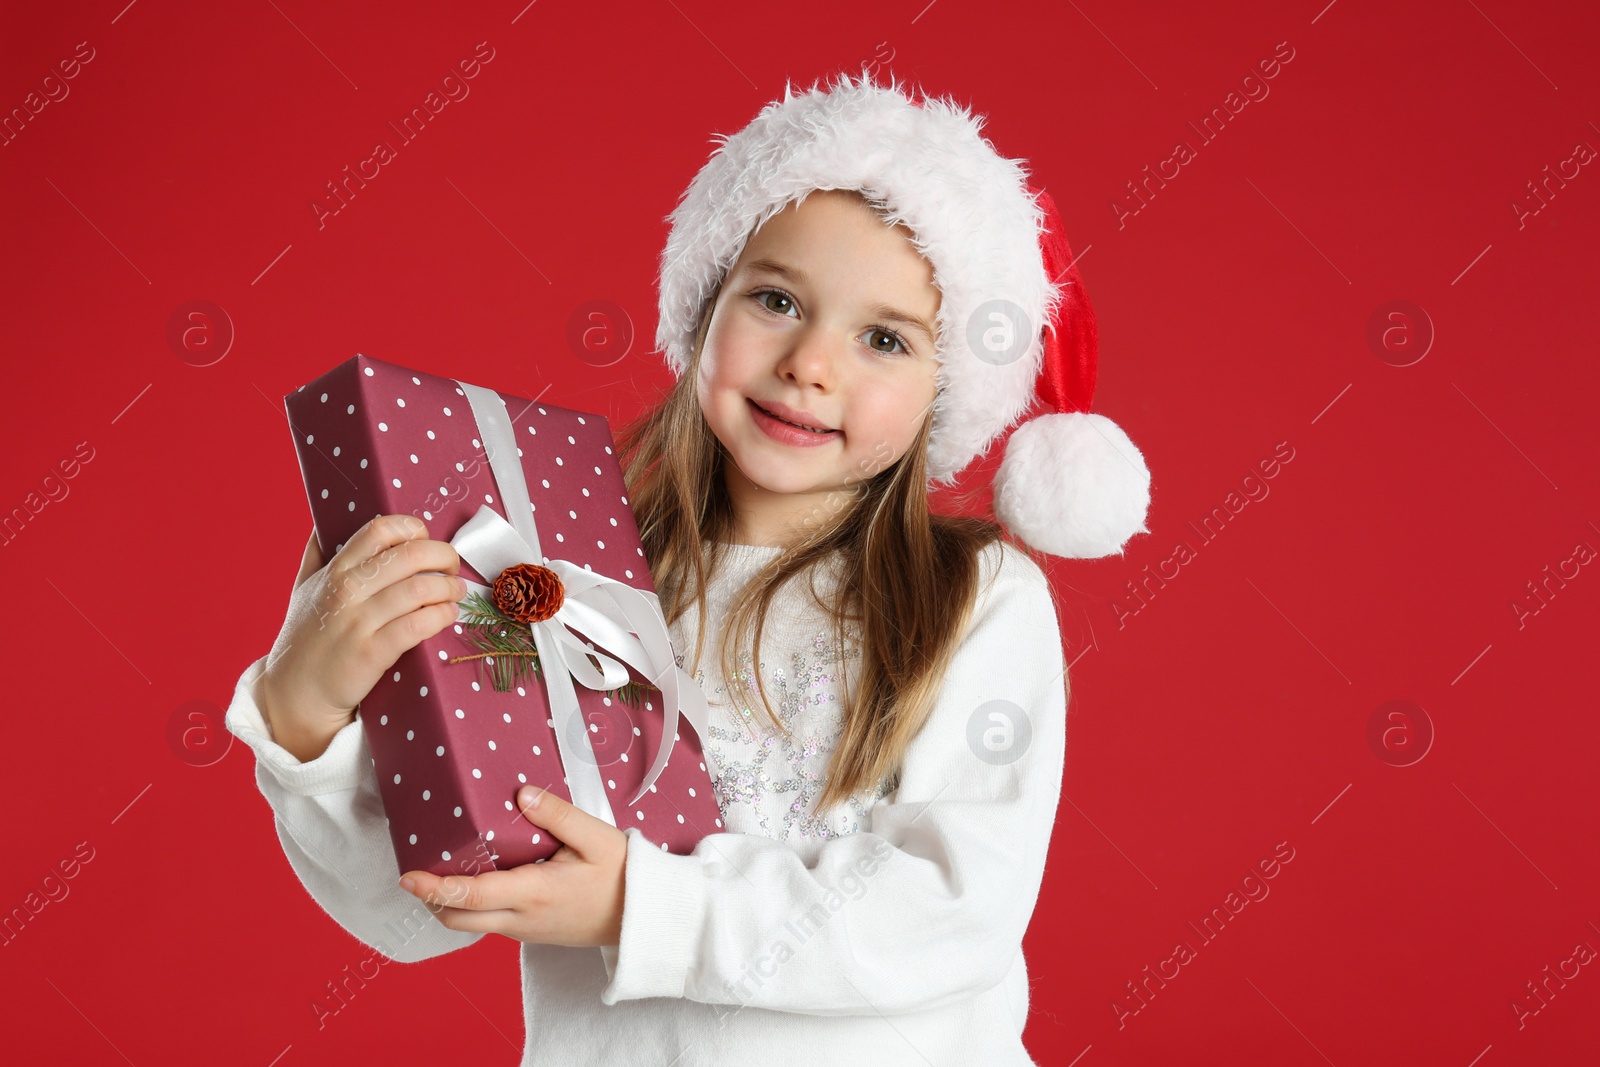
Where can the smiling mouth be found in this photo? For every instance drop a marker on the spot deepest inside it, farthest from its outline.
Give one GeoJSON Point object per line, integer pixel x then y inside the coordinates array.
{"type": "Point", "coordinates": [786, 422]}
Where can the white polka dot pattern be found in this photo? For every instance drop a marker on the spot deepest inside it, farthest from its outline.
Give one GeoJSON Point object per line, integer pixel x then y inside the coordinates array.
{"type": "Point", "coordinates": [377, 439]}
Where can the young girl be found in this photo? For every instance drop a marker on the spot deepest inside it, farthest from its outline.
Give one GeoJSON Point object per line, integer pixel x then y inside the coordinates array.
{"type": "Point", "coordinates": [858, 295]}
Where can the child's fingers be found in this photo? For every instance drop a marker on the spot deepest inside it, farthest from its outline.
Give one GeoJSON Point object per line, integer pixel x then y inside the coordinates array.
{"type": "Point", "coordinates": [575, 828]}
{"type": "Point", "coordinates": [481, 901]}
{"type": "Point", "coordinates": [393, 602]}
{"type": "Point", "coordinates": [478, 922]}
{"type": "Point", "coordinates": [376, 537]}
{"type": "Point", "coordinates": [395, 638]}
{"type": "Point", "coordinates": [392, 564]}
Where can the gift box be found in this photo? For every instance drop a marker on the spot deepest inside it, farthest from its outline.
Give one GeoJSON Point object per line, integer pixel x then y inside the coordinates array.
{"type": "Point", "coordinates": [560, 672]}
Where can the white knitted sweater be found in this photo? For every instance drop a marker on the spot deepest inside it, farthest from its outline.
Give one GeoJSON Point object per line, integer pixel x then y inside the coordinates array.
{"type": "Point", "coordinates": [888, 932]}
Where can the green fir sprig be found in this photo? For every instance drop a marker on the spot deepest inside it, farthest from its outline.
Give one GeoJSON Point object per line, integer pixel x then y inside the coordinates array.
{"type": "Point", "coordinates": [508, 651]}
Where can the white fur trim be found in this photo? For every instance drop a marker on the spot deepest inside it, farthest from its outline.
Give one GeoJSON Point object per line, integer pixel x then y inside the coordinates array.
{"type": "Point", "coordinates": [929, 167]}
{"type": "Point", "coordinates": [1072, 485]}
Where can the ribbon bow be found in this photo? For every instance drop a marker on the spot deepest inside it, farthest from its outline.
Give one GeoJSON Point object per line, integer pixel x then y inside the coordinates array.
{"type": "Point", "coordinates": [622, 622]}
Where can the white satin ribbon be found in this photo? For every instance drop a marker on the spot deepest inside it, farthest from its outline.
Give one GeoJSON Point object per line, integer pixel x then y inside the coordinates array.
{"type": "Point", "coordinates": [615, 617]}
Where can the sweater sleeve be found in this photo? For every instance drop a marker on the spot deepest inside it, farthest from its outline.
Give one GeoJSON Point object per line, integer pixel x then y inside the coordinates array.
{"type": "Point", "coordinates": [330, 821]}
{"type": "Point", "coordinates": [923, 907]}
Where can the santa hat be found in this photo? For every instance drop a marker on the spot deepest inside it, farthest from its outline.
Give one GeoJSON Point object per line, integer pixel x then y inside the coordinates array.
{"type": "Point", "coordinates": [1015, 326]}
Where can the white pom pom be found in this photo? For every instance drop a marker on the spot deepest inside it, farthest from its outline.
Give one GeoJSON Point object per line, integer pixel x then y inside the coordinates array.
{"type": "Point", "coordinates": [1072, 485]}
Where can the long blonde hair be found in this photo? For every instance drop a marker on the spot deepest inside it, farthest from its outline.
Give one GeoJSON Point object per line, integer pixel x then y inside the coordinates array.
{"type": "Point", "coordinates": [908, 577]}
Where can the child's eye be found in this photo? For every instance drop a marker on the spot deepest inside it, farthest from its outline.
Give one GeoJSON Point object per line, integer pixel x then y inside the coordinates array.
{"type": "Point", "coordinates": [760, 296]}
{"type": "Point", "coordinates": [892, 336]}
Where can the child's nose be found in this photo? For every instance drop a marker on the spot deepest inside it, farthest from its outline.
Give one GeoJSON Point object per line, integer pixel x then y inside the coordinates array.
{"type": "Point", "coordinates": [813, 357]}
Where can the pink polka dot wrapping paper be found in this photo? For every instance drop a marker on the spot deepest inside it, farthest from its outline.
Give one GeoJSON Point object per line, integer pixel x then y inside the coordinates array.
{"type": "Point", "coordinates": [450, 751]}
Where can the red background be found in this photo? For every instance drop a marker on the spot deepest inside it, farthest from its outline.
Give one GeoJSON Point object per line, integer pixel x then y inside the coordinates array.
{"type": "Point", "coordinates": [1228, 714]}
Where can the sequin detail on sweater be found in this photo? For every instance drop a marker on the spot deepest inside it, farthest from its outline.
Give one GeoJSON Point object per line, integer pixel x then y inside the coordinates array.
{"type": "Point", "coordinates": [775, 779]}
{"type": "Point", "coordinates": [767, 782]}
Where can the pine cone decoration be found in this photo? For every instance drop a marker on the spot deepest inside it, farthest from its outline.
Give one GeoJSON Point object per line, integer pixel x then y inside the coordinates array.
{"type": "Point", "coordinates": [528, 592]}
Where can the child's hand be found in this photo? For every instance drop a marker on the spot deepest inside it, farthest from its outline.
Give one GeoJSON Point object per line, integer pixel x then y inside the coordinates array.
{"type": "Point", "coordinates": [574, 898]}
{"type": "Point", "coordinates": [349, 621]}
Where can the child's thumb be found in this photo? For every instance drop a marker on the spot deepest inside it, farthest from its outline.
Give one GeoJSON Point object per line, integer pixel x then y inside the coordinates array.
{"type": "Point", "coordinates": [311, 562]}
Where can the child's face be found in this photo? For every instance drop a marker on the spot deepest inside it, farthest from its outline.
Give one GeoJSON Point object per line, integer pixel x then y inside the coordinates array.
{"type": "Point", "coordinates": [819, 339]}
